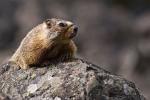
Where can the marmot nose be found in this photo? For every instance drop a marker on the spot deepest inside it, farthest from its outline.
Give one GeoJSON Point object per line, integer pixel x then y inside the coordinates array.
{"type": "Point", "coordinates": [74, 33]}
{"type": "Point", "coordinates": [75, 30]}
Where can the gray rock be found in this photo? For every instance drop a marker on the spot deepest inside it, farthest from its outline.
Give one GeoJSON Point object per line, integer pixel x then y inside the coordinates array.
{"type": "Point", "coordinates": [76, 80]}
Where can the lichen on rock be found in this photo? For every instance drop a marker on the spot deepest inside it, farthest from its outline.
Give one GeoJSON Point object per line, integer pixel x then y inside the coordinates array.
{"type": "Point", "coordinates": [75, 80]}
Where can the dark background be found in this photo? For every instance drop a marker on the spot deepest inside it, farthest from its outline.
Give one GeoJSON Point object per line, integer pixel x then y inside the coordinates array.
{"type": "Point", "coordinates": [114, 34]}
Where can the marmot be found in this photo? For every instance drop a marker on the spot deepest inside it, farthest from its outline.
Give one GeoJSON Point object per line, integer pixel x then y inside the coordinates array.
{"type": "Point", "coordinates": [50, 40]}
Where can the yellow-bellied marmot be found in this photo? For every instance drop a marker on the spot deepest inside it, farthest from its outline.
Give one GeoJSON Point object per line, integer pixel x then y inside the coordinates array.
{"type": "Point", "coordinates": [50, 40]}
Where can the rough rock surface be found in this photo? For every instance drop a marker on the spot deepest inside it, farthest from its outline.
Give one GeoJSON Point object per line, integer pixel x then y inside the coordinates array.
{"type": "Point", "coordinates": [76, 80]}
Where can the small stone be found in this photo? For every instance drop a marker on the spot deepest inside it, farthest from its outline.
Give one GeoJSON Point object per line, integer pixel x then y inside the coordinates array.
{"type": "Point", "coordinates": [48, 98]}
{"type": "Point", "coordinates": [110, 81]}
{"type": "Point", "coordinates": [57, 98]}
{"type": "Point", "coordinates": [32, 88]}
{"type": "Point", "coordinates": [33, 76]}
{"type": "Point", "coordinates": [128, 90]}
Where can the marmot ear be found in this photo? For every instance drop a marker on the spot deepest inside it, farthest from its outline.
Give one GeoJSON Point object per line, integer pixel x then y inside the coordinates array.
{"type": "Point", "coordinates": [48, 23]}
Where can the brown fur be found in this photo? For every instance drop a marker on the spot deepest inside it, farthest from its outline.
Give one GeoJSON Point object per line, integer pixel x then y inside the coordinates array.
{"type": "Point", "coordinates": [45, 42]}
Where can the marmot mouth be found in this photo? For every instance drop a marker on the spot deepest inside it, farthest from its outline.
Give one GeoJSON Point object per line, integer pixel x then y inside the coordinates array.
{"type": "Point", "coordinates": [73, 33]}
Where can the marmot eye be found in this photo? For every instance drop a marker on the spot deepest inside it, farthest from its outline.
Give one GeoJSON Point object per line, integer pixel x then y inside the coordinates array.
{"type": "Point", "coordinates": [62, 24]}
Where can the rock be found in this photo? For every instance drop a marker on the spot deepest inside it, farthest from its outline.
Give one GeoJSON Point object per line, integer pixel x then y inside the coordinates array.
{"type": "Point", "coordinates": [76, 80]}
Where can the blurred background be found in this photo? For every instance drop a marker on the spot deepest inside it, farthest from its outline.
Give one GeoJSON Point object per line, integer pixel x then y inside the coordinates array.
{"type": "Point", "coordinates": [114, 34]}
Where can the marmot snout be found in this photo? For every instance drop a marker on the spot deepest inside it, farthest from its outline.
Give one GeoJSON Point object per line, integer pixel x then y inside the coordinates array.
{"type": "Point", "coordinates": [50, 40]}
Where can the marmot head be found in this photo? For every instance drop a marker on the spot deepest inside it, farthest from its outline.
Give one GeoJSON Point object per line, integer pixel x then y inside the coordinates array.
{"type": "Point", "coordinates": [61, 29]}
